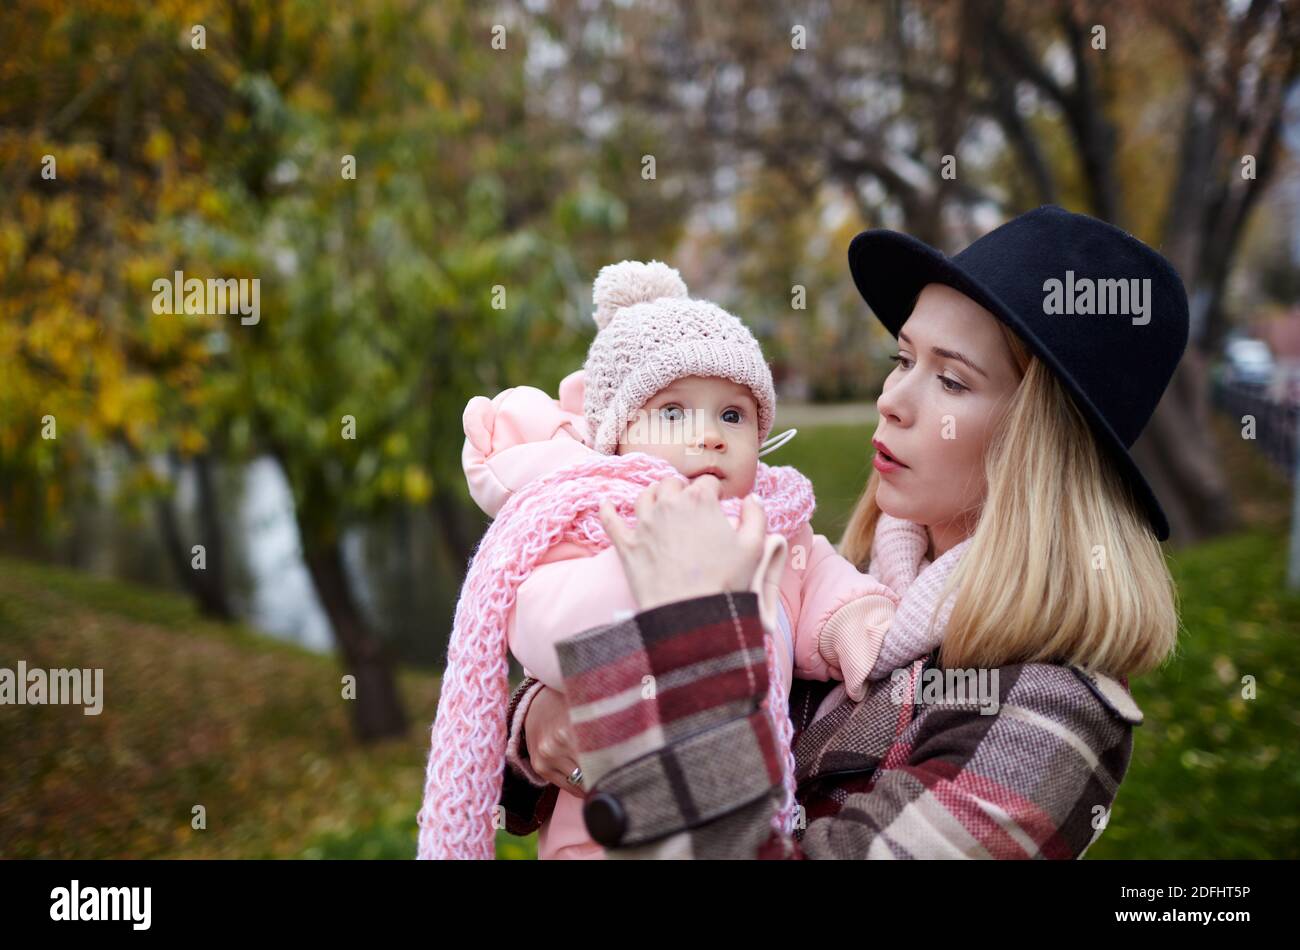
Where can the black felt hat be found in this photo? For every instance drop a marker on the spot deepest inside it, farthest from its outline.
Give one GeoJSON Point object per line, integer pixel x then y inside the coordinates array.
{"type": "Point", "coordinates": [1103, 310]}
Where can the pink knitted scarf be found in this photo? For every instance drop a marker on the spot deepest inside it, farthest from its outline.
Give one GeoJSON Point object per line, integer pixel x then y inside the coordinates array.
{"type": "Point", "coordinates": [898, 561]}
{"type": "Point", "coordinates": [467, 755]}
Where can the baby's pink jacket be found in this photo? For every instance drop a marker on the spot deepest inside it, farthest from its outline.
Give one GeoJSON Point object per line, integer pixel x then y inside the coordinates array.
{"type": "Point", "coordinates": [833, 618]}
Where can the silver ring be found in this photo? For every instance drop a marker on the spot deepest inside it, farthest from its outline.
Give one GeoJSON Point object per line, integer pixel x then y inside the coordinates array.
{"type": "Point", "coordinates": [575, 777]}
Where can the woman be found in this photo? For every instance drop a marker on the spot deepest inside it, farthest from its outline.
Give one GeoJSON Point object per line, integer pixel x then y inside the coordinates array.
{"type": "Point", "coordinates": [1006, 510]}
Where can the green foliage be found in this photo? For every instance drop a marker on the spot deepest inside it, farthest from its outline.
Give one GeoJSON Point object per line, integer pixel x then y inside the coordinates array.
{"type": "Point", "coordinates": [377, 290]}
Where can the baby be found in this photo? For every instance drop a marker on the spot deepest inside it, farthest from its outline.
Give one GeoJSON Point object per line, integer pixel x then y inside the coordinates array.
{"type": "Point", "coordinates": [683, 381]}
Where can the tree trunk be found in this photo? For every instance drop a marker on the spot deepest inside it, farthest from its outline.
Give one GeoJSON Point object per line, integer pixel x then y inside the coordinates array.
{"type": "Point", "coordinates": [453, 521]}
{"type": "Point", "coordinates": [1180, 460]}
{"type": "Point", "coordinates": [377, 711]}
{"type": "Point", "coordinates": [208, 586]}
{"type": "Point", "coordinates": [211, 583]}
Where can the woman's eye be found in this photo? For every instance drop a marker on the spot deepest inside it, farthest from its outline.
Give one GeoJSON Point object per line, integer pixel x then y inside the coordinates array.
{"type": "Point", "coordinates": [671, 413]}
{"type": "Point", "coordinates": [732, 416]}
{"type": "Point", "coordinates": [949, 384]}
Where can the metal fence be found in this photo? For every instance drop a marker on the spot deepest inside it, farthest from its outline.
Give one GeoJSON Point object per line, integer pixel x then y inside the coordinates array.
{"type": "Point", "coordinates": [1275, 435]}
{"type": "Point", "coordinates": [1275, 422]}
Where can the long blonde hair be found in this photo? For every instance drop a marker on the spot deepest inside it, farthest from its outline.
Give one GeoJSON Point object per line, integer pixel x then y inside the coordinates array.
{"type": "Point", "coordinates": [1063, 565]}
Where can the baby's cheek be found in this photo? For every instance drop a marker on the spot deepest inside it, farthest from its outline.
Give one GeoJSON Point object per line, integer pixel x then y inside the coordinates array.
{"type": "Point", "coordinates": [742, 487]}
{"type": "Point", "coordinates": [659, 450]}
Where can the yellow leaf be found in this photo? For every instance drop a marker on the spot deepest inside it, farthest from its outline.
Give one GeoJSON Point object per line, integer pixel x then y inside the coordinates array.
{"type": "Point", "coordinates": [416, 485]}
{"type": "Point", "coordinates": [159, 145]}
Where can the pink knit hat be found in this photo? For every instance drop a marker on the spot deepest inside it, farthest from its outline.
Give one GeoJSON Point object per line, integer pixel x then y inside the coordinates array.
{"type": "Point", "coordinates": [652, 334]}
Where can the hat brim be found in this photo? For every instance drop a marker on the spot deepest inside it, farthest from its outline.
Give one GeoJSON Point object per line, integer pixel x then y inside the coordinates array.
{"type": "Point", "coordinates": [891, 269]}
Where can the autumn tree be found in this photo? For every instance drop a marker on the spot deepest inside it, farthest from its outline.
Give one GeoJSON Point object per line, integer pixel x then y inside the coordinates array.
{"type": "Point", "coordinates": [946, 117]}
{"type": "Point", "coordinates": [422, 231]}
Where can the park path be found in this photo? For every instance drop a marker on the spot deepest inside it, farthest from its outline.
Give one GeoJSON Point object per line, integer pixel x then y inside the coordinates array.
{"type": "Point", "coordinates": [796, 414]}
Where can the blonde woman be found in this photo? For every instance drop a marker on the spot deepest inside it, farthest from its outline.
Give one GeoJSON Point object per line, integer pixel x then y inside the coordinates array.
{"type": "Point", "coordinates": [1007, 512]}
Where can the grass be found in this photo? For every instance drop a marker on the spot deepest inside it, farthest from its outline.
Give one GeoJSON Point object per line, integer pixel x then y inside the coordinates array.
{"type": "Point", "coordinates": [1214, 774]}
{"type": "Point", "coordinates": [256, 731]}
{"type": "Point", "coordinates": [838, 460]}
{"type": "Point", "coordinates": [195, 713]}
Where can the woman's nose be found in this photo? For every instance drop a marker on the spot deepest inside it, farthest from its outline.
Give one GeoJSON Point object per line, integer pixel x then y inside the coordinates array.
{"type": "Point", "coordinates": [892, 404]}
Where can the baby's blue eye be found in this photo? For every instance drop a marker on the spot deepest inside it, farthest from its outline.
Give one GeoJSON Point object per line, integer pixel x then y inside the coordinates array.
{"type": "Point", "coordinates": [732, 415]}
{"type": "Point", "coordinates": [666, 413]}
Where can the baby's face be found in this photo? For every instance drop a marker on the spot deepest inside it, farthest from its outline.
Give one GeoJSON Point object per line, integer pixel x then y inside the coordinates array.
{"type": "Point", "coordinates": [701, 424]}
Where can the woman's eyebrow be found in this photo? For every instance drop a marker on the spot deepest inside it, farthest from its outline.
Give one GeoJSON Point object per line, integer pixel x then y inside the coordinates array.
{"type": "Point", "coordinates": [947, 354]}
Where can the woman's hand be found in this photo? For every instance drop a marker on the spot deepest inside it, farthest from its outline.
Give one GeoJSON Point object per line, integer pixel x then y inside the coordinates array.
{"type": "Point", "coordinates": [548, 736]}
{"type": "Point", "coordinates": [683, 545]}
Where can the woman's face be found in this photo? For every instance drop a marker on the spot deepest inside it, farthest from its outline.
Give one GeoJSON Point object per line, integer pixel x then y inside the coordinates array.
{"type": "Point", "coordinates": [940, 406]}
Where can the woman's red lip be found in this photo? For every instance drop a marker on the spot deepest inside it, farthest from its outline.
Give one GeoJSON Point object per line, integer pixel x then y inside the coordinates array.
{"type": "Point", "coordinates": [890, 456]}
{"type": "Point", "coordinates": [884, 466]}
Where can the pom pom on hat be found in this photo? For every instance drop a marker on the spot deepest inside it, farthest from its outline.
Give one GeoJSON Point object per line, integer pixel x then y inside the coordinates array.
{"type": "Point", "coordinates": [632, 282]}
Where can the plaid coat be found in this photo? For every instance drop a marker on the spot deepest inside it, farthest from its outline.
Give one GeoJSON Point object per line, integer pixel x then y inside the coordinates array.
{"type": "Point", "coordinates": [679, 761]}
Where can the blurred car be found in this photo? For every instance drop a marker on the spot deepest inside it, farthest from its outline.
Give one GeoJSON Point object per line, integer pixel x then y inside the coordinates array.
{"type": "Point", "coordinates": [1248, 362]}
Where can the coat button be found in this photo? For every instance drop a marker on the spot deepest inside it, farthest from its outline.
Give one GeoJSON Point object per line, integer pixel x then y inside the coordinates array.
{"type": "Point", "coordinates": [605, 817]}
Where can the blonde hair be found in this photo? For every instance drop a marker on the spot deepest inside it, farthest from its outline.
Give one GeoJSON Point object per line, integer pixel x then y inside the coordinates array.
{"type": "Point", "coordinates": [1063, 565]}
